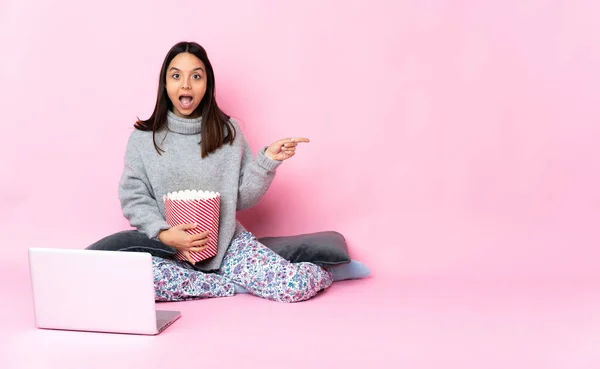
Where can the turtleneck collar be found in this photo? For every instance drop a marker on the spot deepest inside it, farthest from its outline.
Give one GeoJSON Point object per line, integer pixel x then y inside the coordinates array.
{"type": "Point", "coordinates": [186, 126]}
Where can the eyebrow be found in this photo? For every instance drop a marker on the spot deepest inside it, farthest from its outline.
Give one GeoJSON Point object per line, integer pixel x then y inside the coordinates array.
{"type": "Point", "coordinates": [193, 70]}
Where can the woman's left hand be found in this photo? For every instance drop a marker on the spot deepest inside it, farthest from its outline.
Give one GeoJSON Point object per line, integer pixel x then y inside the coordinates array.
{"type": "Point", "coordinates": [284, 149]}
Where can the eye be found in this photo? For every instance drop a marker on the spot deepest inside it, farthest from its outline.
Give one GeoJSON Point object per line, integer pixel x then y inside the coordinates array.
{"type": "Point", "coordinates": [197, 76]}
{"type": "Point", "coordinates": [175, 75]}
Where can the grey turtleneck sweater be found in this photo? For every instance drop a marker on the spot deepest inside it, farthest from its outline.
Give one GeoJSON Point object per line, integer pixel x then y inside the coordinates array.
{"type": "Point", "coordinates": [230, 170]}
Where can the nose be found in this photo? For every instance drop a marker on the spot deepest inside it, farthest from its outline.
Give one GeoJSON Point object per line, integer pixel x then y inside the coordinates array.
{"type": "Point", "coordinates": [185, 83]}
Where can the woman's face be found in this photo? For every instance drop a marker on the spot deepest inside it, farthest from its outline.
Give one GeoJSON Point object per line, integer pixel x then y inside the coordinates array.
{"type": "Point", "coordinates": [186, 84]}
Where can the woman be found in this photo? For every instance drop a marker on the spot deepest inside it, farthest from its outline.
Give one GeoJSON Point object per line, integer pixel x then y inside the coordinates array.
{"type": "Point", "coordinates": [189, 143]}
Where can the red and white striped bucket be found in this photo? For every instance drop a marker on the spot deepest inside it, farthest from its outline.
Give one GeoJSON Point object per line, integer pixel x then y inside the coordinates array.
{"type": "Point", "coordinates": [200, 207]}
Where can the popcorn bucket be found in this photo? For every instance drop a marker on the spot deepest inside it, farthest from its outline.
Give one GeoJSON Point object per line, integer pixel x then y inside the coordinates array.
{"type": "Point", "coordinates": [200, 207]}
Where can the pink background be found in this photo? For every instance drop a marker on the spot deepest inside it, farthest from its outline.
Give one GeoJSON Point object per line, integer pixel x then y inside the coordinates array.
{"type": "Point", "coordinates": [454, 144]}
{"type": "Point", "coordinates": [455, 138]}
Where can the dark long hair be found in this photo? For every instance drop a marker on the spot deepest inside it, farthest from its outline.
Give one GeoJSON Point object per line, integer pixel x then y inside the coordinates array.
{"type": "Point", "coordinates": [213, 118]}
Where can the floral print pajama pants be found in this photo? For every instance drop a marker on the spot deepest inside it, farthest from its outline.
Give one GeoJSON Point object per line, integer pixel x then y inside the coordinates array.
{"type": "Point", "coordinates": [248, 264]}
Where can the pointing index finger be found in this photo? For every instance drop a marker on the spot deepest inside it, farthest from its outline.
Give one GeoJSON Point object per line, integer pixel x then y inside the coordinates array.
{"type": "Point", "coordinates": [300, 139]}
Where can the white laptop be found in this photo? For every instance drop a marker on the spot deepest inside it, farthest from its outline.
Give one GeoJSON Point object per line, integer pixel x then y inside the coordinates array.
{"type": "Point", "coordinates": [95, 291]}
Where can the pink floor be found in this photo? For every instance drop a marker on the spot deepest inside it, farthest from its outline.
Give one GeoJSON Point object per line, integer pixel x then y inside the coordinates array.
{"type": "Point", "coordinates": [375, 323]}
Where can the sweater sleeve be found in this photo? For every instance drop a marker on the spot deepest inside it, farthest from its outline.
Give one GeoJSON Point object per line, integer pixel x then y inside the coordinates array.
{"type": "Point", "coordinates": [256, 175]}
{"type": "Point", "coordinates": [138, 202]}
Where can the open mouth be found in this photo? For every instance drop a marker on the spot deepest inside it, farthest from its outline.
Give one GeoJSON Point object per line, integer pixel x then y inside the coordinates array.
{"type": "Point", "coordinates": [186, 101]}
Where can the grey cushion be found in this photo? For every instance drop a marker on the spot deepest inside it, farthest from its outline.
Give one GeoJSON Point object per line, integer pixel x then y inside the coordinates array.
{"type": "Point", "coordinates": [326, 248]}
{"type": "Point", "coordinates": [133, 241]}
{"type": "Point", "coordinates": [321, 248]}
